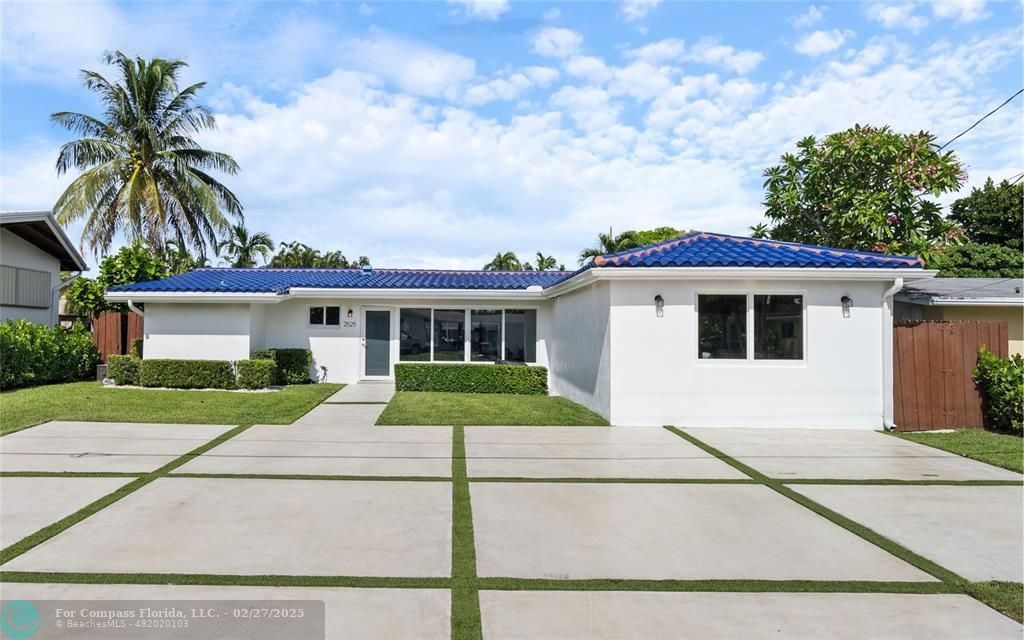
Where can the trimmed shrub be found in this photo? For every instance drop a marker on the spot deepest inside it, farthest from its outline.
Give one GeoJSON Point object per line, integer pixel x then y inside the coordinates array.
{"type": "Point", "coordinates": [187, 374]}
{"type": "Point", "coordinates": [123, 369]}
{"type": "Point", "coordinates": [136, 348]}
{"type": "Point", "coordinates": [291, 365]}
{"type": "Point", "coordinates": [471, 378]}
{"type": "Point", "coordinates": [1001, 382]}
{"type": "Point", "coordinates": [32, 354]}
{"type": "Point", "coordinates": [255, 374]}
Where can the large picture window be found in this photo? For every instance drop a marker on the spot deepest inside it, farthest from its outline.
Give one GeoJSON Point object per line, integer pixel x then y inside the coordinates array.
{"type": "Point", "coordinates": [722, 327]}
{"type": "Point", "coordinates": [485, 335]}
{"type": "Point", "coordinates": [778, 327]}
{"type": "Point", "coordinates": [449, 334]}
{"type": "Point", "coordinates": [750, 326]}
{"type": "Point", "coordinates": [521, 335]}
{"type": "Point", "coordinates": [414, 335]}
{"type": "Point", "coordinates": [468, 335]}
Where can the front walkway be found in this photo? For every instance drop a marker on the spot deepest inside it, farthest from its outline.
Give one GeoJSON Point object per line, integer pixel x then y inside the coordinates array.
{"type": "Point", "coordinates": [518, 532]}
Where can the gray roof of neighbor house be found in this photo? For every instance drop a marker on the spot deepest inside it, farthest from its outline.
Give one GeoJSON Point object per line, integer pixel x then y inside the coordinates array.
{"type": "Point", "coordinates": [964, 291]}
{"type": "Point", "coordinates": [40, 229]}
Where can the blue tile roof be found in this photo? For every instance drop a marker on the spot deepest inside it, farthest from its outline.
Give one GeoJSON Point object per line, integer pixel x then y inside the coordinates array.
{"type": "Point", "coordinates": [693, 250]}
{"type": "Point", "coordinates": [702, 249]}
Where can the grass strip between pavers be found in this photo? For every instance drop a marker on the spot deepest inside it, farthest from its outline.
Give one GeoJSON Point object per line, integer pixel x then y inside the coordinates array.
{"type": "Point", "coordinates": [466, 623]}
{"type": "Point", "coordinates": [957, 583]}
{"type": "Point", "coordinates": [44, 534]}
{"type": "Point", "coordinates": [303, 476]}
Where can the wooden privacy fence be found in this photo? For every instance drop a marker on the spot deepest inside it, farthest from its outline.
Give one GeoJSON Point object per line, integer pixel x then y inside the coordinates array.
{"type": "Point", "coordinates": [113, 332]}
{"type": "Point", "coordinates": [932, 362]}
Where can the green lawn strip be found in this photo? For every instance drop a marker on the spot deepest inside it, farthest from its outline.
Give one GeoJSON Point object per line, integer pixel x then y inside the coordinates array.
{"type": "Point", "coordinates": [301, 476]}
{"type": "Point", "coordinates": [614, 480]}
{"type": "Point", "coordinates": [731, 586]}
{"type": "Point", "coordinates": [956, 582]}
{"type": "Point", "coordinates": [883, 481]}
{"type": "Point", "coordinates": [466, 624]}
{"type": "Point", "coordinates": [368, 582]}
{"type": "Point", "coordinates": [429, 408]}
{"type": "Point", "coordinates": [44, 534]}
{"type": "Point", "coordinates": [71, 474]}
{"type": "Point", "coordinates": [92, 402]}
{"type": "Point", "coordinates": [1005, 597]}
{"type": "Point", "coordinates": [999, 449]}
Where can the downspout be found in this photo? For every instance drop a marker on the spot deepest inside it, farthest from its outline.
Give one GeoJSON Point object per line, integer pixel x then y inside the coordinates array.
{"type": "Point", "coordinates": [887, 345]}
{"type": "Point", "coordinates": [137, 311]}
{"type": "Point", "coordinates": [55, 298]}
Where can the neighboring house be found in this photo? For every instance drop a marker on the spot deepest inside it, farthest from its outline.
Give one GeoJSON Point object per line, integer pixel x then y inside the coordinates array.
{"type": "Point", "coordinates": [702, 330]}
{"type": "Point", "coordinates": [996, 299]}
{"type": "Point", "coordinates": [33, 252]}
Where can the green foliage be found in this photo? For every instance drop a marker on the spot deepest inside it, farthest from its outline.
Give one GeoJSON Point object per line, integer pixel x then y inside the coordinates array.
{"type": "Point", "coordinates": [471, 378]}
{"type": "Point", "coordinates": [992, 214]}
{"type": "Point", "coordinates": [133, 263]}
{"type": "Point", "coordinates": [85, 297]}
{"type": "Point", "coordinates": [32, 354]}
{"type": "Point", "coordinates": [187, 374]}
{"type": "Point", "coordinates": [296, 255]}
{"type": "Point", "coordinates": [177, 259]}
{"type": "Point", "coordinates": [135, 348]}
{"type": "Point", "coordinates": [973, 260]}
{"type": "Point", "coordinates": [255, 374]}
{"type": "Point", "coordinates": [545, 263]}
{"type": "Point", "coordinates": [864, 188]}
{"type": "Point", "coordinates": [243, 247]}
{"type": "Point", "coordinates": [142, 172]}
{"type": "Point", "coordinates": [124, 369]}
{"type": "Point", "coordinates": [611, 243]}
{"type": "Point", "coordinates": [1001, 382]}
{"type": "Point", "coordinates": [507, 261]}
{"type": "Point", "coordinates": [291, 365]}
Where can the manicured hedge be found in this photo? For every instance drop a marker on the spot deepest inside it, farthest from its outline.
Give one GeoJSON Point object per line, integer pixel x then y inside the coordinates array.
{"type": "Point", "coordinates": [32, 354]}
{"type": "Point", "coordinates": [136, 348]}
{"type": "Point", "coordinates": [187, 374]}
{"type": "Point", "coordinates": [292, 365]}
{"type": "Point", "coordinates": [1001, 381]}
{"type": "Point", "coordinates": [471, 378]}
{"type": "Point", "coordinates": [255, 374]}
{"type": "Point", "coordinates": [123, 369]}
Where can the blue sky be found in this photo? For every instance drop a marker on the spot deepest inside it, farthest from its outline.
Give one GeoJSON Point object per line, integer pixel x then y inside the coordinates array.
{"type": "Point", "coordinates": [432, 134]}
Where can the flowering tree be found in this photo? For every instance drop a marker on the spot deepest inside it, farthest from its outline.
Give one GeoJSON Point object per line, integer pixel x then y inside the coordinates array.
{"type": "Point", "coordinates": [865, 188]}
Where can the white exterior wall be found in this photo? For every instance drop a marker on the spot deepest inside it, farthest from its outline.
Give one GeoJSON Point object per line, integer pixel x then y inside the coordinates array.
{"type": "Point", "coordinates": [16, 252]}
{"type": "Point", "coordinates": [580, 348]}
{"type": "Point", "coordinates": [657, 378]}
{"type": "Point", "coordinates": [197, 331]}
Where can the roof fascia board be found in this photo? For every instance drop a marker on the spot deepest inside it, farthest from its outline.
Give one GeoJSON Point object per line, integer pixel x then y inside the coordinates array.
{"type": "Point", "coordinates": [14, 217]}
{"type": "Point", "coordinates": [193, 296]}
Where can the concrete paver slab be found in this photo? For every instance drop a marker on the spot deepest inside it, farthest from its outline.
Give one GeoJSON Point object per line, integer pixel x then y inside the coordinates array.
{"type": "Point", "coordinates": [29, 504]}
{"type": "Point", "coordinates": [609, 615]}
{"type": "Point", "coordinates": [102, 446]}
{"type": "Point", "coordinates": [329, 450]}
{"type": "Point", "coordinates": [364, 392]}
{"type": "Point", "coordinates": [254, 527]}
{"type": "Point", "coordinates": [973, 531]}
{"type": "Point", "coordinates": [665, 531]}
{"type": "Point", "coordinates": [588, 452]}
{"type": "Point", "coordinates": [343, 415]}
{"type": "Point", "coordinates": [351, 614]}
{"type": "Point", "coordinates": [844, 453]}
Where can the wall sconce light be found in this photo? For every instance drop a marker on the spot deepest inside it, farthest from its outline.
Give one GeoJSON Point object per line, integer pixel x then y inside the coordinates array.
{"type": "Point", "coordinates": [349, 314]}
{"type": "Point", "coordinates": [847, 303]}
{"type": "Point", "coordinates": [659, 305]}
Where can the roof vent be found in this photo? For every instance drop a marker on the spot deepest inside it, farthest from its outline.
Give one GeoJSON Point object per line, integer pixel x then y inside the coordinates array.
{"type": "Point", "coordinates": [367, 269]}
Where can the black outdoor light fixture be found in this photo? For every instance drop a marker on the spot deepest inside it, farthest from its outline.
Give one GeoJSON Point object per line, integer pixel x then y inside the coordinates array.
{"type": "Point", "coordinates": [349, 314]}
{"type": "Point", "coordinates": [847, 303]}
{"type": "Point", "coordinates": [659, 305]}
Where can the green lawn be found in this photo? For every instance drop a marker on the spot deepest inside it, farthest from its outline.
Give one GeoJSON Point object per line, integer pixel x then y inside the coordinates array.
{"type": "Point", "coordinates": [419, 407]}
{"type": "Point", "coordinates": [999, 449]}
{"type": "Point", "coordinates": [91, 401]}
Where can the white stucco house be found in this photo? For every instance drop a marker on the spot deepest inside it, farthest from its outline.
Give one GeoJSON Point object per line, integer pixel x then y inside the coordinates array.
{"type": "Point", "coordinates": [702, 330]}
{"type": "Point", "coordinates": [33, 252]}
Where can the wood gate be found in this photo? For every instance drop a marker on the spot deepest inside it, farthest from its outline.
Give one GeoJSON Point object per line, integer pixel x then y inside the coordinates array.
{"type": "Point", "coordinates": [113, 332]}
{"type": "Point", "coordinates": [933, 387]}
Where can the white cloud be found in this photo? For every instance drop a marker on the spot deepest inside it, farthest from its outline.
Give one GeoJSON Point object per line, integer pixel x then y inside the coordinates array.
{"type": "Point", "coordinates": [483, 9]}
{"type": "Point", "coordinates": [710, 51]}
{"type": "Point", "coordinates": [821, 42]}
{"type": "Point", "coordinates": [541, 76]}
{"type": "Point", "coordinates": [809, 18]}
{"type": "Point", "coordinates": [892, 16]}
{"type": "Point", "coordinates": [633, 10]}
{"type": "Point", "coordinates": [510, 86]}
{"type": "Point", "coordinates": [589, 68]}
{"type": "Point", "coordinates": [641, 80]}
{"type": "Point", "coordinates": [960, 10]}
{"type": "Point", "coordinates": [414, 67]}
{"type": "Point", "coordinates": [365, 10]}
{"type": "Point", "coordinates": [556, 42]}
{"type": "Point", "coordinates": [661, 51]}
{"type": "Point", "coordinates": [552, 14]}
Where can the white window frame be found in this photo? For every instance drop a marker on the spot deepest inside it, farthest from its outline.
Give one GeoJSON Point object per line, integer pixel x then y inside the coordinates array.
{"type": "Point", "coordinates": [749, 360]}
{"type": "Point", "coordinates": [467, 329]}
{"type": "Point", "coordinates": [324, 325]}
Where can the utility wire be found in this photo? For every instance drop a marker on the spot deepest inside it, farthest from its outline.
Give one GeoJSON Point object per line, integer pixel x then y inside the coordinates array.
{"type": "Point", "coordinates": [980, 120]}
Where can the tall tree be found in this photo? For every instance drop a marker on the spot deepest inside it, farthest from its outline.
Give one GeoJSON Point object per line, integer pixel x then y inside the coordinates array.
{"type": "Point", "coordinates": [132, 263]}
{"type": "Point", "coordinates": [178, 259]}
{"type": "Point", "coordinates": [507, 261]}
{"type": "Point", "coordinates": [243, 247]}
{"type": "Point", "coordinates": [545, 263]}
{"type": "Point", "coordinates": [992, 214]}
{"type": "Point", "coordinates": [296, 255]}
{"type": "Point", "coordinates": [143, 173]}
{"type": "Point", "coordinates": [611, 243]}
{"type": "Point", "coordinates": [864, 188]}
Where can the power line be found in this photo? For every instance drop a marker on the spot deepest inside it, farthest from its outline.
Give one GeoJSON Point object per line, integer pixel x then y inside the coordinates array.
{"type": "Point", "coordinates": [980, 120]}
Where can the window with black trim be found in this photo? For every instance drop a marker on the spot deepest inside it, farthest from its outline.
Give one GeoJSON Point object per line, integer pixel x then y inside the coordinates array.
{"type": "Point", "coordinates": [325, 316]}
{"type": "Point", "coordinates": [722, 327]}
{"type": "Point", "coordinates": [778, 327]}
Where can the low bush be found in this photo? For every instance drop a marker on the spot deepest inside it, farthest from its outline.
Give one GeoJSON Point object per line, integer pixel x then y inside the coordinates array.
{"type": "Point", "coordinates": [255, 374]}
{"type": "Point", "coordinates": [471, 378]}
{"type": "Point", "coordinates": [187, 374]}
{"type": "Point", "coordinates": [291, 365]}
{"type": "Point", "coordinates": [32, 354]}
{"type": "Point", "coordinates": [1001, 382]}
{"type": "Point", "coordinates": [123, 369]}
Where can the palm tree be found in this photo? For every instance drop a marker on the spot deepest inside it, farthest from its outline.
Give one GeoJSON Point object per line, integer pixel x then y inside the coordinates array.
{"type": "Point", "coordinates": [608, 243]}
{"type": "Point", "coordinates": [177, 258]}
{"type": "Point", "coordinates": [242, 247]}
{"type": "Point", "coordinates": [143, 173]}
{"type": "Point", "coordinates": [545, 262]}
{"type": "Point", "coordinates": [507, 261]}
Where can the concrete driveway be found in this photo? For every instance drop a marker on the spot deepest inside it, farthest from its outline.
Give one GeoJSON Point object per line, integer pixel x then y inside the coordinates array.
{"type": "Point", "coordinates": [361, 517]}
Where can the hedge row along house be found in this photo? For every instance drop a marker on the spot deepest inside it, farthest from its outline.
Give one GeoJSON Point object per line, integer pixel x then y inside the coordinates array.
{"type": "Point", "coordinates": [702, 330]}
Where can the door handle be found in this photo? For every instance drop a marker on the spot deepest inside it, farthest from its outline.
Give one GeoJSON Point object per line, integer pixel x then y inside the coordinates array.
{"type": "Point", "coordinates": [363, 340]}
